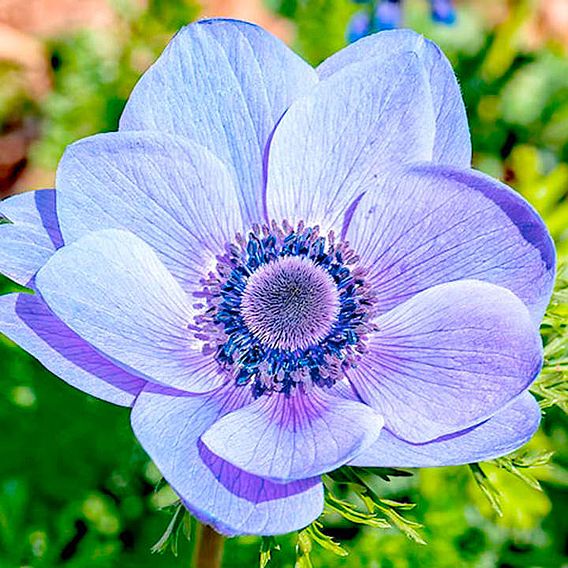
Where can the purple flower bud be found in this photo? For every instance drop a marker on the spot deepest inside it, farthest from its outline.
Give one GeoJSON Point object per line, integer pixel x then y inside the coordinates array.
{"type": "Point", "coordinates": [359, 26]}
{"type": "Point", "coordinates": [388, 15]}
{"type": "Point", "coordinates": [443, 11]}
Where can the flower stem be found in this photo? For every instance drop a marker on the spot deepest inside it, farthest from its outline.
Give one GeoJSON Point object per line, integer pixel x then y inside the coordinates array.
{"type": "Point", "coordinates": [209, 549]}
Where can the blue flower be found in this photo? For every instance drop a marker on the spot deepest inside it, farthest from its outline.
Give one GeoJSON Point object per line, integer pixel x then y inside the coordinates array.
{"type": "Point", "coordinates": [387, 15]}
{"type": "Point", "coordinates": [283, 270]}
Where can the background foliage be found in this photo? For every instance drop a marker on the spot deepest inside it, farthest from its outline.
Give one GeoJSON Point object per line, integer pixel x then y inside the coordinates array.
{"type": "Point", "coordinates": [75, 488]}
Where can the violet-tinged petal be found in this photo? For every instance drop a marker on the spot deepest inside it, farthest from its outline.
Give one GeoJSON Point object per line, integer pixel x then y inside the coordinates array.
{"type": "Point", "coordinates": [452, 143]}
{"type": "Point", "coordinates": [447, 359]}
{"type": "Point", "coordinates": [29, 234]}
{"type": "Point", "coordinates": [286, 438]}
{"type": "Point", "coordinates": [433, 224]}
{"type": "Point", "coordinates": [27, 241]}
{"type": "Point", "coordinates": [234, 502]}
{"type": "Point", "coordinates": [111, 289]}
{"type": "Point", "coordinates": [172, 193]}
{"type": "Point", "coordinates": [26, 320]}
{"type": "Point", "coordinates": [332, 145]}
{"type": "Point", "coordinates": [503, 433]}
{"type": "Point", "coordinates": [224, 84]}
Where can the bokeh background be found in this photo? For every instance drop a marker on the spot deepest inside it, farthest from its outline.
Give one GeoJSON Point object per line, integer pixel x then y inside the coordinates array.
{"type": "Point", "coordinates": [75, 488]}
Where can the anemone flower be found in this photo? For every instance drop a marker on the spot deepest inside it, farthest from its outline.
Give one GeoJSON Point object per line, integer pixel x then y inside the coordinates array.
{"type": "Point", "coordinates": [283, 270]}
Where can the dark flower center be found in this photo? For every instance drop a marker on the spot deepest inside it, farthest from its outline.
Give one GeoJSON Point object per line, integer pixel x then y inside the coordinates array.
{"type": "Point", "coordinates": [287, 307]}
{"type": "Point", "coordinates": [290, 303]}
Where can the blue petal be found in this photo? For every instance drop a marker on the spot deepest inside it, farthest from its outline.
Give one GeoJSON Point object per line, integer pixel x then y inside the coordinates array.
{"type": "Point", "coordinates": [505, 432]}
{"type": "Point", "coordinates": [432, 224]}
{"type": "Point", "coordinates": [172, 193]}
{"type": "Point", "coordinates": [339, 141]}
{"type": "Point", "coordinates": [359, 26]}
{"type": "Point", "coordinates": [112, 290]}
{"type": "Point", "coordinates": [224, 84]}
{"type": "Point", "coordinates": [234, 502]}
{"type": "Point", "coordinates": [286, 438]}
{"type": "Point", "coordinates": [452, 141]}
{"type": "Point", "coordinates": [27, 242]}
{"type": "Point", "coordinates": [443, 11]}
{"type": "Point", "coordinates": [26, 320]}
{"type": "Point", "coordinates": [388, 15]}
{"type": "Point", "coordinates": [447, 359]}
{"type": "Point", "coordinates": [30, 234]}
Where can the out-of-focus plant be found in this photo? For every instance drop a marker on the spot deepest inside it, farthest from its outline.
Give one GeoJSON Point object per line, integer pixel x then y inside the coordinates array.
{"type": "Point", "coordinates": [13, 99]}
{"type": "Point", "coordinates": [96, 70]}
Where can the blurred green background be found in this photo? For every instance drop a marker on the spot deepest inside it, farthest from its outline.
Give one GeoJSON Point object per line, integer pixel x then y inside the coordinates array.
{"type": "Point", "coordinates": [75, 488]}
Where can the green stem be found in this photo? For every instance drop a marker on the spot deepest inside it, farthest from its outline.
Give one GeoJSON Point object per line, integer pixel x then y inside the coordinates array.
{"type": "Point", "coordinates": [209, 549]}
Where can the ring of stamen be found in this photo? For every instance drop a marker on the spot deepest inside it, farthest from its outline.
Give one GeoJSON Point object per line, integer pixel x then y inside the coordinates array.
{"type": "Point", "coordinates": [285, 308]}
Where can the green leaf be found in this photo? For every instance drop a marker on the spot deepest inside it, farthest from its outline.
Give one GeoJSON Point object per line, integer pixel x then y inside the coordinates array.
{"type": "Point", "coordinates": [487, 488]}
{"type": "Point", "coordinates": [551, 387]}
{"type": "Point", "coordinates": [170, 537]}
{"type": "Point", "coordinates": [385, 473]}
{"type": "Point", "coordinates": [381, 513]}
{"type": "Point", "coordinates": [267, 545]}
{"type": "Point", "coordinates": [303, 550]}
{"type": "Point", "coordinates": [314, 531]}
{"type": "Point", "coordinates": [517, 464]}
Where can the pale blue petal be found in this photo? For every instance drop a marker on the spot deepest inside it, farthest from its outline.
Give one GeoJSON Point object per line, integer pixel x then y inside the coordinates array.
{"type": "Point", "coordinates": [505, 432]}
{"type": "Point", "coordinates": [334, 144]}
{"type": "Point", "coordinates": [233, 502]}
{"type": "Point", "coordinates": [447, 359]}
{"type": "Point", "coordinates": [224, 84]}
{"type": "Point", "coordinates": [433, 224]}
{"type": "Point", "coordinates": [113, 291]}
{"type": "Point", "coordinates": [29, 234]}
{"type": "Point", "coordinates": [26, 320]}
{"type": "Point", "coordinates": [27, 241]}
{"type": "Point", "coordinates": [286, 438]}
{"type": "Point", "coordinates": [452, 141]}
{"type": "Point", "coordinates": [172, 193]}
